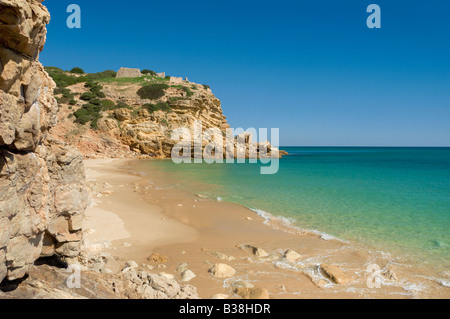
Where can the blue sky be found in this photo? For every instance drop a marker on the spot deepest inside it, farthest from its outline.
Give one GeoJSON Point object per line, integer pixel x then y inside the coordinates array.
{"type": "Point", "coordinates": [311, 68]}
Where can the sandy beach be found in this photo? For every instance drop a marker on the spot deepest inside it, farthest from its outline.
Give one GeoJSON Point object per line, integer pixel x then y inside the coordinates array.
{"type": "Point", "coordinates": [133, 216]}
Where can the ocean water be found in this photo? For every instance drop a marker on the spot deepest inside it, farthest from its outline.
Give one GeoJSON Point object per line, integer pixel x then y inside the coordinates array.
{"type": "Point", "coordinates": [394, 199]}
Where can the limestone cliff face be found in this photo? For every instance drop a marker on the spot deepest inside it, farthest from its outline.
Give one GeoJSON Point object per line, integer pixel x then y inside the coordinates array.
{"type": "Point", "coordinates": [42, 195]}
{"type": "Point", "coordinates": [150, 133]}
{"type": "Point", "coordinates": [133, 125]}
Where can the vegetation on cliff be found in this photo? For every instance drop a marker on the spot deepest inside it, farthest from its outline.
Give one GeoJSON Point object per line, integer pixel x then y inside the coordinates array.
{"type": "Point", "coordinates": [139, 112]}
{"type": "Point", "coordinates": [152, 91]}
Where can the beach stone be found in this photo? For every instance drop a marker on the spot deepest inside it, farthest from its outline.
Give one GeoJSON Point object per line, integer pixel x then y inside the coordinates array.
{"type": "Point", "coordinates": [160, 283]}
{"type": "Point", "coordinates": [389, 275]}
{"type": "Point", "coordinates": [143, 275]}
{"type": "Point", "coordinates": [222, 256]}
{"type": "Point", "coordinates": [149, 267]}
{"type": "Point", "coordinates": [158, 258]}
{"type": "Point", "coordinates": [131, 264]}
{"type": "Point", "coordinates": [188, 292]}
{"type": "Point", "coordinates": [149, 292]}
{"type": "Point", "coordinates": [219, 296]}
{"type": "Point", "coordinates": [168, 276]}
{"type": "Point", "coordinates": [252, 293]}
{"type": "Point", "coordinates": [130, 274]}
{"type": "Point", "coordinates": [111, 265]}
{"type": "Point", "coordinates": [335, 274]}
{"type": "Point", "coordinates": [255, 251]}
{"type": "Point", "coordinates": [292, 255]}
{"type": "Point", "coordinates": [187, 275]}
{"type": "Point", "coordinates": [243, 284]}
{"type": "Point", "coordinates": [182, 267]}
{"type": "Point", "coordinates": [222, 271]}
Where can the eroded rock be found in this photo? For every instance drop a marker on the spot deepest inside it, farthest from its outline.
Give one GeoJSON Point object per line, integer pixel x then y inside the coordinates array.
{"type": "Point", "coordinates": [42, 193]}
{"type": "Point", "coordinates": [252, 293]}
{"type": "Point", "coordinates": [222, 271]}
{"type": "Point", "coordinates": [335, 274]}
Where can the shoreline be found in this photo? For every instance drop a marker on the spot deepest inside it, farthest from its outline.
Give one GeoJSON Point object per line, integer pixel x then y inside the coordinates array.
{"type": "Point", "coordinates": [152, 218]}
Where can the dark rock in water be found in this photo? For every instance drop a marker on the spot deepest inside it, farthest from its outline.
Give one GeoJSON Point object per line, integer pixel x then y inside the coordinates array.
{"type": "Point", "coordinates": [438, 244]}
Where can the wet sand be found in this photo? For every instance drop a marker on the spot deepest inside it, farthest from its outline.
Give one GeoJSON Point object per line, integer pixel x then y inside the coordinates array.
{"type": "Point", "coordinates": [135, 215]}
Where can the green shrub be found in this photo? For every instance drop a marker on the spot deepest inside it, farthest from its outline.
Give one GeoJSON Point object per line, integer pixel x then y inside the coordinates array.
{"type": "Point", "coordinates": [88, 96]}
{"type": "Point", "coordinates": [206, 86]}
{"type": "Point", "coordinates": [88, 113]}
{"type": "Point", "coordinates": [188, 91]}
{"type": "Point", "coordinates": [95, 88]}
{"type": "Point", "coordinates": [176, 98]}
{"type": "Point", "coordinates": [53, 69]}
{"type": "Point", "coordinates": [152, 91]}
{"type": "Point", "coordinates": [161, 106]}
{"type": "Point", "coordinates": [90, 84]}
{"type": "Point", "coordinates": [99, 93]}
{"type": "Point", "coordinates": [67, 96]}
{"type": "Point", "coordinates": [96, 101]}
{"type": "Point", "coordinates": [77, 70]}
{"type": "Point", "coordinates": [108, 104]}
{"type": "Point", "coordinates": [58, 90]}
{"type": "Point", "coordinates": [147, 71]}
{"type": "Point", "coordinates": [102, 75]}
{"type": "Point", "coordinates": [122, 105]}
{"type": "Point", "coordinates": [61, 79]}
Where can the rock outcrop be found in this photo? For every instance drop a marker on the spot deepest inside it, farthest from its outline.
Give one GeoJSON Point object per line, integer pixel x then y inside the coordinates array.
{"type": "Point", "coordinates": [42, 195]}
{"type": "Point", "coordinates": [139, 126]}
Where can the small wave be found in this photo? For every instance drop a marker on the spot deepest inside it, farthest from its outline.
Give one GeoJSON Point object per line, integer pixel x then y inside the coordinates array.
{"type": "Point", "coordinates": [327, 237]}
{"type": "Point", "coordinates": [269, 217]}
{"type": "Point", "coordinates": [288, 222]}
{"type": "Point", "coordinates": [444, 282]}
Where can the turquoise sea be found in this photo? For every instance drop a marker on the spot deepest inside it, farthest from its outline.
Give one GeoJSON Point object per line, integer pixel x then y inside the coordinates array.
{"type": "Point", "coordinates": [394, 199]}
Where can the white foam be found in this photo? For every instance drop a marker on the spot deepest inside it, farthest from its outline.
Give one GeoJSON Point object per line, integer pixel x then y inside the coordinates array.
{"type": "Point", "coordinates": [288, 222]}
{"type": "Point", "coordinates": [444, 282]}
{"type": "Point", "coordinates": [327, 237]}
{"type": "Point", "coordinates": [284, 265]}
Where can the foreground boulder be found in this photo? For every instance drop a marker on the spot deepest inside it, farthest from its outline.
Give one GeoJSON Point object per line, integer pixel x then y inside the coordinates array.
{"type": "Point", "coordinates": [222, 271]}
{"type": "Point", "coordinates": [335, 274]}
{"type": "Point", "coordinates": [252, 293]}
{"type": "Point", "coordinates": [42, 191]}
{"type": "Point", "coordinates": [292, 256]}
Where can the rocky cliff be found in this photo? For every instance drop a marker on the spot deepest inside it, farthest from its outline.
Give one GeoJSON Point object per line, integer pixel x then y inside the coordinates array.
{"type": "Point", "coordinates": [109, 116]}
{"type": "Point", "coordinates": [42, 195]}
